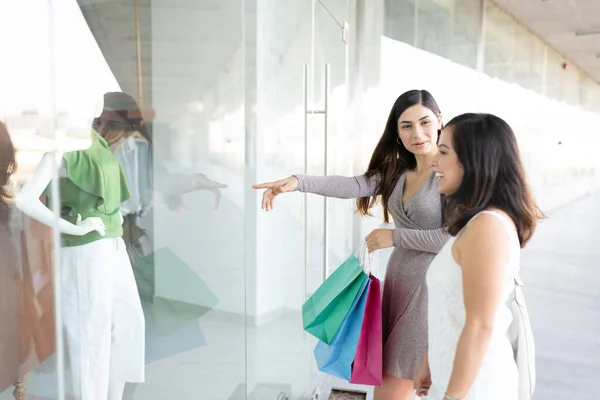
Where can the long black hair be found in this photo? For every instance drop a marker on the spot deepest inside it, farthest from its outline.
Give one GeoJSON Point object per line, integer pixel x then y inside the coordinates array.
{"type": "Point", "coordinates": [390, 158]}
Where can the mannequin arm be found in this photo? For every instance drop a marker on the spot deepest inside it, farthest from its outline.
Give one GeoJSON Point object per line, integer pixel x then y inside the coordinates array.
{"type": "Point", "coordinates": [28, 201]}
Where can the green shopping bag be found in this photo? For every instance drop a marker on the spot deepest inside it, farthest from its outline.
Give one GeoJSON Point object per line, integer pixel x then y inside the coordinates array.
{"type": "Point", "coordinates": [324, 312]}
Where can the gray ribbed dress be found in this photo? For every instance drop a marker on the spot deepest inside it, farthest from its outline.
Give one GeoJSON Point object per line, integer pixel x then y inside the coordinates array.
{"type": "Point", "coordinates": [417, 238]}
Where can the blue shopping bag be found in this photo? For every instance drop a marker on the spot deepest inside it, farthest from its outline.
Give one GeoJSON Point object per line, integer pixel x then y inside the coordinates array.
{"type": "Point", "coordinates": [336, 358]}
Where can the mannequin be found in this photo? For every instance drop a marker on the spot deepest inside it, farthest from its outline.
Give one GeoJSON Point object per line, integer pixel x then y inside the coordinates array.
{"type": "Point", "coordinates": [102, 313]}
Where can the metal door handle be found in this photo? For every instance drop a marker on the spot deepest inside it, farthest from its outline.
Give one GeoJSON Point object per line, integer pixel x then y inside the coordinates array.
{"type": "Point", "coordinates": [325, 112]}
{"type": "Point", "coordinates": [306, 94]}
{"type": "Point", "coordinates": [325, 171]}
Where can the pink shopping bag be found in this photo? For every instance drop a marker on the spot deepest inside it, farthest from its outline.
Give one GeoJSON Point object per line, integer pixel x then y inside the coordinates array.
{"type": "Point", "coordinates": [367, 368]}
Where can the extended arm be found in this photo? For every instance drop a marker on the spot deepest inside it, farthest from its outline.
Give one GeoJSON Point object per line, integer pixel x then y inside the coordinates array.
{"type": "Point", "coordinates": [341, 187]}
{"type": "Point", "coordinates": [28, 201]}
{"type": "Point", "coordinates": [429, 240]}
{"type": "Point", "coordinates": [482, 255]}
{"type": "Point", "coordinates": [176, 183]}
{"type": "Point", "coordinates": [171, 184]}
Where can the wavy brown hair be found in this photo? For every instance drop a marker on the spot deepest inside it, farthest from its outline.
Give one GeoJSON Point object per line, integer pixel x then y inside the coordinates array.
{"type": "Point", "coordinates": [8, 166]}
{"type": "Point", "coordinates": [390, 158]}
{"type": "Point", "coordinates": [493, 177]}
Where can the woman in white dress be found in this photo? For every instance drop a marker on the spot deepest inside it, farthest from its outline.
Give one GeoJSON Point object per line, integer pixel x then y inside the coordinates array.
{"type": "Point", "coordinates": [491, 215]}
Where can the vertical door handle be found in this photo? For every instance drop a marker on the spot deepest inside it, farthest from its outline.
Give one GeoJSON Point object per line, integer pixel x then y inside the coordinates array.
{"type": "Point", "coordinates": [326, 171]}
{"type": "Point", "coordinates": [306, 232]}
{"type": "Point", "coordinates": [325, 112]}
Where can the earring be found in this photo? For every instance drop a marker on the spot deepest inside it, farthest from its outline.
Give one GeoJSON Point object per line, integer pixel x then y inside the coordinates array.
{"type": "Point", "coordinates": [398, 140]}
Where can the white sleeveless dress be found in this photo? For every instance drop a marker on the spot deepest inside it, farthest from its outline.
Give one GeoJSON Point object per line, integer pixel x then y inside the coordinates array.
{"type": "Point", "coordinates": [498, 377]}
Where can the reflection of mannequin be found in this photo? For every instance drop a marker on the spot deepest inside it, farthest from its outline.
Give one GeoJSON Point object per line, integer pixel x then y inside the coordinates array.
{"type": "Point", "coordinates": [133, 153]}
{"type": "Point", "coordinates": [9, 327]}
{"type": "Point", "coordinates": [27, 305]}
{"type": "Point", "coordinates": [26, 296]}
{"type": "Point", "coordinates": [9, 273]}
{"type": "Point", "coordinates": [103, 319]}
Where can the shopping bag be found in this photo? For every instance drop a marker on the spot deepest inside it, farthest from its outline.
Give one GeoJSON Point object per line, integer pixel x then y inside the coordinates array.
{"type": "Point", "coordinates": [324, 312]}
{"type": "Point", "coordinates": [367, 368]}
{"type": "Point", "coordinates": [336, 358]}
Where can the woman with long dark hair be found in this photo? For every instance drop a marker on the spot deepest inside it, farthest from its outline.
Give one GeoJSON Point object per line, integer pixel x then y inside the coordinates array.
{"type": "Point", "coordinates": [491, 214]}
{"type": "Point", "coordinates": [400, 173]}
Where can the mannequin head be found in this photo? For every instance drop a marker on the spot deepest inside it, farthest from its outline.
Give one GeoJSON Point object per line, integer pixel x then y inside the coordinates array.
{"type": "Point", "coordinates": [7, 168]}
{"type": "Point", "coordinates": [120, 117]}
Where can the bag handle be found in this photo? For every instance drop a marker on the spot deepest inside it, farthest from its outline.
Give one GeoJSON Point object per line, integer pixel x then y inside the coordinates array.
{"type": "Point", "coordinates": [367, 260]}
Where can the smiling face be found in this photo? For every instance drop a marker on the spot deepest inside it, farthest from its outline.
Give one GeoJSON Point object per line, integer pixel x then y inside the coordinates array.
{"type": "Point", "coordinates": [448, 169]}
{"type": "Point", "coordinates": [418, 129]}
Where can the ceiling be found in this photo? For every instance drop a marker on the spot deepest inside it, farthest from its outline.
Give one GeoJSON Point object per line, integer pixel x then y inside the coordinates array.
{"type": "Point", "coordinates": [572, 27]}
{"type": "Point", "coordinates": [184, 44]}
{"type": "Point", "coordinates": [112, 22]}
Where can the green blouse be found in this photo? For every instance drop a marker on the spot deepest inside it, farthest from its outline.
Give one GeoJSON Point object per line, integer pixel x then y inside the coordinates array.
{"type": "Point", "coordinates": [94, 186]}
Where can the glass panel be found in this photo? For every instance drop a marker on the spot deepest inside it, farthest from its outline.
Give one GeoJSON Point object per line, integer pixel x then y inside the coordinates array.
{"type": "Point", "coordinates": [334, 129]}
{"type": "Point", "coordinates": [570, 93]}
{"type": "Point", "coordinates": [400, 20]}
{"type": "Point", "coordinates": [500, 38]}
{"type": "Point", "coordinates": [529, 59]}
{"type": "Point", "coordinates": [280, 360]}
{"type": "Point", "coordinates": [163, 311]}
{"type": "Point", "coordinates": [39, 116]}
{"type": "Point", "coordinates": [337, 158]}
{"type": "Point", "coordinates": [590, 92]}
{"type": "Point", "coordinates": [562, 79]}
{"type": "Point", "coordinates": [450, 29]}
{"type": "Point", "coordinates": [194, 262]}
{"type": "Point", "coordinates": [555, 78]}
{"type": "Point", "coordinates": [512, 52]}
{"type": "Point", "coordinates": [278, 277]}
{"type": "Point", "coordinates": [465, 35]}
{"type": "Point", "coordinates": [435, 26]}
{"type": "Point", "coordinates": [337, 9]}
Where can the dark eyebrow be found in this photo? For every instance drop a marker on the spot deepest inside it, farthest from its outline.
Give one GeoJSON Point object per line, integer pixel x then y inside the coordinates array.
{"type": "Point", "coordinates": [443, 145]}
{"type": "Point", "coordinates": [420, 119]}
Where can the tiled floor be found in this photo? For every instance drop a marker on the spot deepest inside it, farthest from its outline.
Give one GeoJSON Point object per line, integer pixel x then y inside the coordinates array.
{"type": "Point", "coordinates": [206, 359]}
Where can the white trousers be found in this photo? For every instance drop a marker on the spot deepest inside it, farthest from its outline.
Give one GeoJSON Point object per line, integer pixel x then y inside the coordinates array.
{"type": "Point", "coordinates": [103, 318]}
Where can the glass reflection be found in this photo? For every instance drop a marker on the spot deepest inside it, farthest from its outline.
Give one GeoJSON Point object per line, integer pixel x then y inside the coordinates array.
{"type": "Point", "coordinates": [26, 292]}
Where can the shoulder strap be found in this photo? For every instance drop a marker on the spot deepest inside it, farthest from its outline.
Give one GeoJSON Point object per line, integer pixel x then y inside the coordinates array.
{"type": "Point", "coordinates": [508, 224]}
{"type": "Point", "coordinates": [520, 336]}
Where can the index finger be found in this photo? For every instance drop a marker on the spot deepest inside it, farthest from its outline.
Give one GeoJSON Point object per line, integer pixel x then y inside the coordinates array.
{"type": "Point", "coordinates": [267, 185]}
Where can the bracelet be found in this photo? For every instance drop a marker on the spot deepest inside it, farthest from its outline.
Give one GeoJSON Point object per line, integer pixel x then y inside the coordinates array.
{"type": "Point", "coordinates": [448, 397]}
